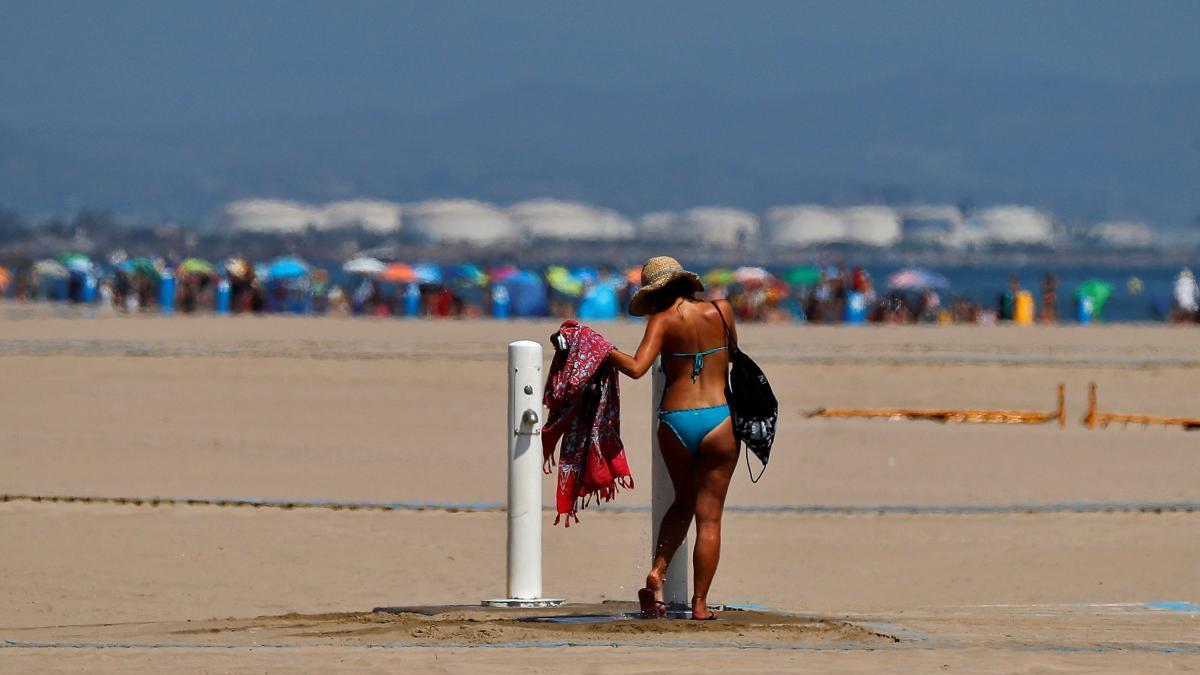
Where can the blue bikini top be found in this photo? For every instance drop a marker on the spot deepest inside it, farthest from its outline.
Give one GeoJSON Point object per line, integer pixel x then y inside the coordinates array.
{"type": "Point", "coordinates": [698, 360]}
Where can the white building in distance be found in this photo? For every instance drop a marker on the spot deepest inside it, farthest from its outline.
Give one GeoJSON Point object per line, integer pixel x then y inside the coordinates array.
{"type": "Point", "coordinates": [811, 225]}
{"type": "Point", "coordinates": [1011, 225]}
{"type": "Point", "coordinates": [805, 225]}
{"type": "Point", "coordinates": [719, 226]}
{"type": "Point", "coordinates": [372, 215]}
{"type": "Point", "coordinates": [459, 220]}
{"type": "Point", "coordinates": [1124, 234]}
{"type": "Point", "coordinates": [556, 219]}
{"type": "Point", "coordinates": [282, 216]}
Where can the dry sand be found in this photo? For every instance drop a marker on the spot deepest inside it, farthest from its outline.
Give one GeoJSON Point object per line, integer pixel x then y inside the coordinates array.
{"type": "Point", "coordinates": [399, 411]}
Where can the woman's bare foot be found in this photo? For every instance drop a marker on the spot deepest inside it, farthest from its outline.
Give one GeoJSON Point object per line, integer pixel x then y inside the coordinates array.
{"type": "Point", "coordinates": [700, 609]}
{"type": "Point", "coordinates": [654, 581]}
{"type": "Point", "coordinates": [651, 608]}
{"type": "Point", "coordinates": [651, 597]}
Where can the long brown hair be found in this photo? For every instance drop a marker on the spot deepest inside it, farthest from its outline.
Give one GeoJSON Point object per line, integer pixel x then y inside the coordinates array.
{"type": "Point", "coordinates": [667, 295]}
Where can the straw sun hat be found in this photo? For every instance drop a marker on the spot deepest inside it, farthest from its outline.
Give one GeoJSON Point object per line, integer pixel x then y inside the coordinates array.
{"type": "Point", "coordinates": [657, 274]}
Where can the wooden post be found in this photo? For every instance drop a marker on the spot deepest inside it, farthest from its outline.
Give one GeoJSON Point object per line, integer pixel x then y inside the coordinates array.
{"type": "Point", "coordinates": [1090, 420]}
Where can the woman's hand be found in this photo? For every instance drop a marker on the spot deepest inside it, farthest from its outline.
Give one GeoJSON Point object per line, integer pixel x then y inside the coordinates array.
{"type": "Point", "coordinates": [639, 364]}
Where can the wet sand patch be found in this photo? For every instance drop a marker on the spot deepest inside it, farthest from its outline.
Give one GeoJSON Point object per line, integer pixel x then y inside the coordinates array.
{"type": "Point", "coordinates": [608, 622]}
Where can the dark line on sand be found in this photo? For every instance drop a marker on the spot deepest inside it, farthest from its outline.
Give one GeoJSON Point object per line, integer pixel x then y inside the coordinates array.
{"type": "Point", "coordinates": [1137, 647]}
{"type": "Point", "coordinates": [492, 507]}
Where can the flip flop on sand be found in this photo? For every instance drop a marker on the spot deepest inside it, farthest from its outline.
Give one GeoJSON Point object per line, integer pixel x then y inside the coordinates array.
{"type": "Point", "coordinates": [711, 616]}
{"type": "Point", "coordinates": [651, 607]}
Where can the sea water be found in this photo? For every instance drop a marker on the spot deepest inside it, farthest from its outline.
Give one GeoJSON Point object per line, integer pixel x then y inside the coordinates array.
{"type": "Point", "coordinates": [985, 284]}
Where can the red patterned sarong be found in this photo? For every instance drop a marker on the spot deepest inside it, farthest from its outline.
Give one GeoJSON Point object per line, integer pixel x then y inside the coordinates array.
{"type": "Point", "coordinates": [584, 403]}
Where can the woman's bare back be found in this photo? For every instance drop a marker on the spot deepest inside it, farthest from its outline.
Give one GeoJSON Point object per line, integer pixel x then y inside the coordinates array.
{"type": "Point", "coordinates": [693, 327]}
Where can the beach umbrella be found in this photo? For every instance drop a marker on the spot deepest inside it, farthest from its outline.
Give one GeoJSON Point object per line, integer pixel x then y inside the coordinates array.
{"type": "Point", "coordinates": [287, 267]}
{"type": "Point", "coordinates": [587, 275]}
{"type": "Point", "coordinates": [527, 294]}
{"type": "Point", "coordinates": [399, 273]}
{"type": "Point", "coordinates": [600, 303]}
{"type": "Point", "coordinates": [1099, 291]}
{"type": "Point", "coordinates": [142, 266]}
{"type": "Point", "coordinates": [804, 276]}
{"type": "Point", "coordinates": [50, 268]}
{"type": "Point", "coordinates": [468, 282]}
{"type": "Point", "coordinates": [364, 265]}
{"type": "Point", "coordinates": [195, 266]}
{"type": "Point", "coordinates": [746, 275]}
{"type": "Point", "coordinates": [561, 280]}
{"type": "Point", "coordinates": [76, 262]}
{"type": "Point", "coordinates": [719, 276]}
{"type": "Point", "coordinates": [427, 273]}
{"type": "Point", "coordinates": [917, 279]}
{"type": "Point", "coordinates": [503, 272]}
{"type": "Point", "coordinates": [465, 275]}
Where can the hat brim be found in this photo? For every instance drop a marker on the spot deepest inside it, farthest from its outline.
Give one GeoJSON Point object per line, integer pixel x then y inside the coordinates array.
{"type": "Point", "coordinates": [643, 301]}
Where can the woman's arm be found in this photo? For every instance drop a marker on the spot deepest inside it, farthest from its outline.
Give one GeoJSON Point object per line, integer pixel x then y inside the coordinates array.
{"type": "Point", "coordinates": [637, 365]}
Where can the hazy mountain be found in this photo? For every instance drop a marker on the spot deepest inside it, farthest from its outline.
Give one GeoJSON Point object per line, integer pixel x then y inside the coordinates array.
{"type": "Point", "coordinates": [1083, 149]}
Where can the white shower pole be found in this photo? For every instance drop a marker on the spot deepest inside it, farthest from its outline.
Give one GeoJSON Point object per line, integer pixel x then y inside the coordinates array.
{"type": "Point", "coordinates": [524, 586]}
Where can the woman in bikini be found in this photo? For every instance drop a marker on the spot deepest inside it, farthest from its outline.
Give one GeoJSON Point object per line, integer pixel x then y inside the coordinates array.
{"type": "Point", "coordinates": [695, 433]}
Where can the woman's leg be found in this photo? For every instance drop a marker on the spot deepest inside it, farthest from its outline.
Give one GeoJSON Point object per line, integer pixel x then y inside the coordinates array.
{"type": "Point", "coordinates": [718, 458]}
{"type": "Point", "coordinates": [674, 526]}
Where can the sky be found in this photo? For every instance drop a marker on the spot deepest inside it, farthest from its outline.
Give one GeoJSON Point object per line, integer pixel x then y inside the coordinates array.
{"type": "Point", "coordinates": [1085, 108]}
{"type": "Point", "coordinates": [149, 63]}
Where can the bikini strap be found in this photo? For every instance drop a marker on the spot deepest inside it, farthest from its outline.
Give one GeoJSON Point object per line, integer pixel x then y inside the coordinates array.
{"type": "Point", "coordinates": [698, 359]}
{"type": "Point", "coordinates": [728, 334]}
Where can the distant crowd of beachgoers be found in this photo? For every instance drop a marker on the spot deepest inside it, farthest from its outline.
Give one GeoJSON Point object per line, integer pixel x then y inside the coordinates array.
{"type": "Point", "coordinates": [366, 286]}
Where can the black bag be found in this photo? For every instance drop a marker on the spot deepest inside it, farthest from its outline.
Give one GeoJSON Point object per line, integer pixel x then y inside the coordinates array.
{"type": "Point", "coordinates": [752, 404]}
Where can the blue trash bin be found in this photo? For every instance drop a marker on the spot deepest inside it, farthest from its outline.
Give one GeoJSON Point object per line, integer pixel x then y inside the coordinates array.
{"type": "Point", "coordinates": [500, 301]}
{"type": "Point", "coordinates": [166, 294]}
{"type": "Point", "coordinates": [412, 301]}
{"type": "Point", "coordinates": [224, 294]}
{"type": "Point", "coordinates": [1085, 309]}
{"type": "Point", "coordinates": [855, 311]}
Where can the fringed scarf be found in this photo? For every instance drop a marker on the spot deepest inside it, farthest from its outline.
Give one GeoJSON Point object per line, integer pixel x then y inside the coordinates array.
{"type": "Point", "coordinates": [584, 403]}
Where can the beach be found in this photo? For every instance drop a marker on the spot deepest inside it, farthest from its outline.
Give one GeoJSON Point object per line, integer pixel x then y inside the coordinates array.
{"type": "Point", "coordinates": [907, 545]}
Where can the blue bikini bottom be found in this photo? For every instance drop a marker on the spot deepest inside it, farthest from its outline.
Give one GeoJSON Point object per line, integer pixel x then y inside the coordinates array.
{"type": "Point", "coordinates": [691, 425]}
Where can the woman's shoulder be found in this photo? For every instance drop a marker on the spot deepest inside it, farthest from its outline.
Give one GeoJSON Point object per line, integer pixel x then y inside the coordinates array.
{"type": "Point", "coordinates": [725, 308]}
